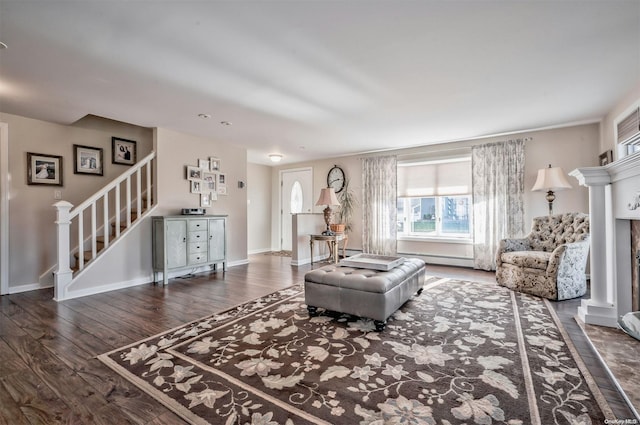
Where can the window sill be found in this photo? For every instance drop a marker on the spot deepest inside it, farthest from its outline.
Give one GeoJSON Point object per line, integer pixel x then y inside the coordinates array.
{"type": "Point", "coordinates": [436, 239]}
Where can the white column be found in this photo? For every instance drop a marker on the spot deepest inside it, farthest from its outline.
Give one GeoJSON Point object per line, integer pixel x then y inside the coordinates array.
{"type": "Point", "coordinates": [63, 273]}
{"type": "Point", "coordinates": [599, 309]}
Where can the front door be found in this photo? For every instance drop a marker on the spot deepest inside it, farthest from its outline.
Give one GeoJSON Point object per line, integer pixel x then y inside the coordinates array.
{"type": "Point", "coordinates": [296, 196]}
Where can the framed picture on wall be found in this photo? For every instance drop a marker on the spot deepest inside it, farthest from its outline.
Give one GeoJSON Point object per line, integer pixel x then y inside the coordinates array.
{"type": "Point", "coordinates": [87, 160]}
{"type": "Point", "coordinates": [209, 180]}
{"type": "Point", "coordinates": [194, 173]}
{"type": "Point", "coordinates": [205, 200]}
{"type": "Point", "coordinates": [606, 158]}
{"type": "Point", "coordinates": [123, 151]}
{"type": "Point", "coordinates": [44, 169]}
{"type": "Point", "coordinates": [214, 164]}
{"type": "Point", "coordinates": [196, 186]}
{"type": "Point", "coordinates": [204, 164]}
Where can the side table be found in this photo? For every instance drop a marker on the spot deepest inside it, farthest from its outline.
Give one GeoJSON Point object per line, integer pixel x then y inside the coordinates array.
{"type": "Point", "coordinates": [332, 241]}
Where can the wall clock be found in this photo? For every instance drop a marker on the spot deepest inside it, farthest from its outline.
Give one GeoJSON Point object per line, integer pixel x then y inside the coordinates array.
{"type": "Point", "coordinates": [335, 178]}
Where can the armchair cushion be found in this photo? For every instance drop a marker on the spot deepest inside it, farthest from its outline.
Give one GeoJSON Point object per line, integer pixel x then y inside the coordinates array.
{"type": "Point", "coordinates": [530, 259]}
{"type": "Point", "coordinates": [550, 261]}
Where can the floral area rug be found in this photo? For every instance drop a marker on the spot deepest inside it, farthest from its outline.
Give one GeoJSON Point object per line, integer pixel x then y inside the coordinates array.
{"type": "Point", "coordinates": [460, 353]}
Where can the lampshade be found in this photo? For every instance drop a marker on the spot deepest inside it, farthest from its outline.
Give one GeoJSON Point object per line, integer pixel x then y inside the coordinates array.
{"type": "Point", "coordinates": [551, 179]}
{"type": "Point", "coordinates": [327, 197]}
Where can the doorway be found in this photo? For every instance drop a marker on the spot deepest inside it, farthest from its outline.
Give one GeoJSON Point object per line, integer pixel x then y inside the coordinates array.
{"type": "Point", "coordinates": [296, 196]}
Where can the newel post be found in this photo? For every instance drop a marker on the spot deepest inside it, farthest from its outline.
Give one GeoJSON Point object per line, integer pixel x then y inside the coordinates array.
{"type": "Point", "coordinates": [63, 273]}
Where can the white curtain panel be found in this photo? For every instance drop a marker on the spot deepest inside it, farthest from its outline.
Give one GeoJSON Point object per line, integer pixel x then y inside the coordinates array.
{"type": "Point", "coordinates": [379, 228]}
{"type": "Point", "coordinates": [498, 198]}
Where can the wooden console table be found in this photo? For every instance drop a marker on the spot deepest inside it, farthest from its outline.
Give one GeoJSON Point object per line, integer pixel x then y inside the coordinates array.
{"type": "Point", "coordinates": [332, 242]}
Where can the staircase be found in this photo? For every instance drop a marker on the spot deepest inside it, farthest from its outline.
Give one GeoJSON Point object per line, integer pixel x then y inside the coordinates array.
{"type": "Point", "coordinates": [98, 222]}
{"type": "Point", "coordinates": [102, 241]}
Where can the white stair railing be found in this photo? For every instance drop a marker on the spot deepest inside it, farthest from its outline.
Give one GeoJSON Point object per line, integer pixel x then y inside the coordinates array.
{"type": "Point", "coordinates": [71, 222]}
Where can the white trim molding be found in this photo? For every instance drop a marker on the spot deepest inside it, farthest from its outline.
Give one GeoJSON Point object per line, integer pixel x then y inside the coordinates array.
{"type": "Point", "coordinates": [610, 261]}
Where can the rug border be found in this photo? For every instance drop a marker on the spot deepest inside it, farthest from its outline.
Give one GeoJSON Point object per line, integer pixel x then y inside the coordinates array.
{"type": "Point", "coordinates": [591, 383]}
{"type": "Point", "coordinates": [198, 319]}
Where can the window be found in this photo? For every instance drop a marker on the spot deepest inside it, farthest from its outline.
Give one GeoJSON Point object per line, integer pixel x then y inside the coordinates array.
{"type": "Point", "coordinates": [434, 198]}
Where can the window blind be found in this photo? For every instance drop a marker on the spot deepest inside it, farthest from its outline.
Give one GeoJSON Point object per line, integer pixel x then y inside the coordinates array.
{"type": "Point", "coordinates": [435, 178]}
{"type": "Point", "coordinates": [629, 127]}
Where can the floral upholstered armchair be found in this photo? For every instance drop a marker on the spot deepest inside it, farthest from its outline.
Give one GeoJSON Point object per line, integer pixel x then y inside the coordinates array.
{"type": "Point", "coordinates": [550, 261]}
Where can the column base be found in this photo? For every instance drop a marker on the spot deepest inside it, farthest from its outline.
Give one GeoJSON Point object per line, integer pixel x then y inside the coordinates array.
{"type": "Point", "coordinates": [598, 314]}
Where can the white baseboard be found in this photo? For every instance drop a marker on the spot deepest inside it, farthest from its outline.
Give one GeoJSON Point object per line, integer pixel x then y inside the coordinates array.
{"type": "Point", "coordinates": [442, 260]}
{"type": "Point", "coordinates": [259, 251]}
{"type": "Point", "coordinates": [106, 288]}
{"type": "Point", "coordinates": [28, 287]}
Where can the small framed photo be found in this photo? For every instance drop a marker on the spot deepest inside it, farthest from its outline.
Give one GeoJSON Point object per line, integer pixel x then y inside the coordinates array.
{"type": "Point", "coordinates": [222, 179]}
{"type": "Point", "coordinates": [222, 190]}
{"type": "Point", "coordinates": [214, 164]}
{"type": "Point", "coordinates": [194, 173]}
{"type": "Point", "coordinates": [205, 199]}
{"type": "Point", "coordinates": [214, 196]}
{"type": "Point", "coordinates": [196, 186]}
{"type": "Point", "coordinates": [44, 169]}
{"type": "Point", "coordinates": [209, 180]}
{"type": "Point", "coordinates": [87, 160]}
{"type": "Point", "coordinates": [606, 158]}
{"type": "Point", "coordinates": [204, 164]}
{"type": "Point", "coordinates": [123, 151]}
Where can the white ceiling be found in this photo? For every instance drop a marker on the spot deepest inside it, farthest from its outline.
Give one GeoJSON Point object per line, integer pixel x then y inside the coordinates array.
{"type": "Point", "coordinates": [315, 79]}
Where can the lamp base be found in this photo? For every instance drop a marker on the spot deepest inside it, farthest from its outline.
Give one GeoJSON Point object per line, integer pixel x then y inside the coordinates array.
{"type": "Point", "coordinates": [550, 198]}
{"type": "Point", "coordinates": [327, 220]}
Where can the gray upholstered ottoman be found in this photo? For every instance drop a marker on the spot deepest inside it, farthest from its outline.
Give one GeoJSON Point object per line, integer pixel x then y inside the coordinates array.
{"type": "Point", "coordinates": [363, 292]}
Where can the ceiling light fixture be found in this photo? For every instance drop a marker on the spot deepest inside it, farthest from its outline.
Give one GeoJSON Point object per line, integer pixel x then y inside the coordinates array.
{"type": "Point", "coordinates": [225, 123]}
{"type": "Point", "coordinates": [204, 116]}
{"type": "Point", "coordinates": [275, 157]}
{"type": "Point", "coordinates": [3, 46]}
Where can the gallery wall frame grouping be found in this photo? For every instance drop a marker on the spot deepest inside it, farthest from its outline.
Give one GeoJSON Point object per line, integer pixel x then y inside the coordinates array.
{"type": "Point", "coordinates": [207, 180]}
{"type": "Point", "coordinates": [46, 169]}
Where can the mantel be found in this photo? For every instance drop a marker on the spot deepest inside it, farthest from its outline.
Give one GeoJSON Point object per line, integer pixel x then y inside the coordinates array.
{"type": "Point", "coordinates": [625, 168]}
{"type": "Point", "coordinates": [612, 190]}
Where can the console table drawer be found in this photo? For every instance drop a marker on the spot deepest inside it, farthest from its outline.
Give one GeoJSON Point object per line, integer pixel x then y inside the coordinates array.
{"type": "Point", "coordinates": [196, 247]}
{"type": "Point", "coordinates": [195, 225]}
{"type": "Point", "coordinates": [198, 257]}
{"type": "Point", "coordinates": [199, 236]}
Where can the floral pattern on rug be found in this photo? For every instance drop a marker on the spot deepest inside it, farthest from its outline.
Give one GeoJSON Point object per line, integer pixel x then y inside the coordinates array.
{"type": "Point", "coordinates": [453, 355]}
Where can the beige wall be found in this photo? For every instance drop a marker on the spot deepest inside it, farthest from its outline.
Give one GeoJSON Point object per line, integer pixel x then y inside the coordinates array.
{"type": "Point", "coordinates": [260, 194]}
{"type": "Point", "coordinates": [568, 147]}
{"type": "Point", "coordinates": [352, 169]}
{"type": "Point", "coordinates": [620, 110]}
{"type": "Point", "coordinates": [32, 237]}
{"type": "Point", "coordinates": [177, 150]}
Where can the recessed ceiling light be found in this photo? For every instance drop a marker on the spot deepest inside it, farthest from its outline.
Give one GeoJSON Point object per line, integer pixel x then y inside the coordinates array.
{"type": "Point", "coordinates": [225, 123]}
{"type": "Point", "coordinates": [3, 46]}
{"type": "Point", "coordinates": [204, 116]}
{"type": "Point", "coordinates": [275, 157]}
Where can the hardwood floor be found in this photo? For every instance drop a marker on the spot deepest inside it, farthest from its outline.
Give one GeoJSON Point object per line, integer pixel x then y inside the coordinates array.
{"type": "Point", "coordinates": [49, 373]}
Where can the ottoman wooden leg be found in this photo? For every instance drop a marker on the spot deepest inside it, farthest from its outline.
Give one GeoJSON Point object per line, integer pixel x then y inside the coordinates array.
{"type": "Point", "coordinates": [313, 311]}
{"type": "Point", "coordinates": [380, 325]}
{"type": "Point", "coordinates": [419, 291]}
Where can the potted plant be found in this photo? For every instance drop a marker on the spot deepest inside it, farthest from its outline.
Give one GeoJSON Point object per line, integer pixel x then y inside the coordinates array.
{"type": "Point", "coordinates": [344, 215]}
